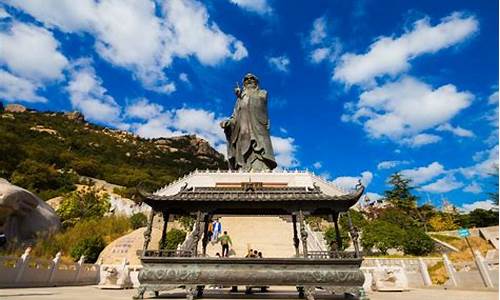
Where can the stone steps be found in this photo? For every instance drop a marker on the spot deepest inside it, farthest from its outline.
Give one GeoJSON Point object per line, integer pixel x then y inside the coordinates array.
{"type": "Point", "coordinates": [270, 235]}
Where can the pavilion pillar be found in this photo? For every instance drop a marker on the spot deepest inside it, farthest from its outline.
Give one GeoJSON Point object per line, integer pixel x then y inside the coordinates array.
{"type": "Point", "coordinates": [197, 233]}
{"type": "Point", "coordinates": [338, 237]}
{"type": "Point", "coordinates": [354, 234]}
{"type": "Point", "coordinates": [296, 240]}
{"type": "Point", "coordinates": [147, 232]}
{"type": "Point", "coordinates": [163, 240]}
{"type": "Point", "coordinates": [303, 233]}
{"type": "Point", "coordinates": [206, 220]}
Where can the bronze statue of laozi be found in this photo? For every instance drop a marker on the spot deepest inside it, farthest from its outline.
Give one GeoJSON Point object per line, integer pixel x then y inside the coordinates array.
{"type": "Point", "coordinates": [249, 145]}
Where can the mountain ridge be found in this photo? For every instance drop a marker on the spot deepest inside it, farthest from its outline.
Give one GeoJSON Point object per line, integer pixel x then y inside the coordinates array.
{"type": "Point", "coordinates": [46, 152]}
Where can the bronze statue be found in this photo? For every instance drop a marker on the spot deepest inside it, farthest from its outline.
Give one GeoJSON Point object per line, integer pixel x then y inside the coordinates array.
{"type": "Point", "coordinates": [249, 145]}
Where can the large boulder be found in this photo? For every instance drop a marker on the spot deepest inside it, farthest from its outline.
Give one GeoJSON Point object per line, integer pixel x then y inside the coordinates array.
{"type": "Point", "coordinates": [24, 216]}
{"type": "Point", "coordinates": [15, 108]}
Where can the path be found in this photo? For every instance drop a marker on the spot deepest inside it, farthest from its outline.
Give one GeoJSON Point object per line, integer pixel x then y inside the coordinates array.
{"type": "Point", "coordinates": [91, 292]}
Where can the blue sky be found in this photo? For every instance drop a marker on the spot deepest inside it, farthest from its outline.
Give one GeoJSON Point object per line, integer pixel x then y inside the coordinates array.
{"type": "Point", "coordinates": [358, 89]}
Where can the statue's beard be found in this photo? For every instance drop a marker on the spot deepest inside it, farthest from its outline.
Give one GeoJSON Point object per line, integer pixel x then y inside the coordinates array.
{"type": "Point", "coordinates": [250, 87]}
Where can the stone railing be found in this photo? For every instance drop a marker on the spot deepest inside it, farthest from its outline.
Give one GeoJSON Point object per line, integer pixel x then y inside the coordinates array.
{"type": "Point", "coordinates": [28, 271]}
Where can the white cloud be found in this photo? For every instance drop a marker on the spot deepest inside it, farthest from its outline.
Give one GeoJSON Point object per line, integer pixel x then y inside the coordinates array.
{"type": "Point", "coordinates": [148, 41]}
{"type": "Point", "coordinates": [317, 165]}
{"type": "Point", "coordinates": [260, 7]}
{"type": "Point", "coordinates": [493, 98]}
{"type": "Point", "coordinates": [485, 204]}
{"type": "Point", "coordinates": [143, 109]}
{"type": "Point", "coordinates": [318, 33]}
{"type": "Point", "coordinates": [389, 164]}
{"type": "Point", "coordinates": [280, 63]}
{"type": "Point", "coordinates": [474, 188]}
{"type": "Point", "coordinates": [404, 108]}
{"type": "Point", "coordinates": [89, 96]}
{"type": "Point", "coordinates": [485, 167]}
{"type": "Point", "coordinates": [3, 14]}
{"type": "Point", "coordinates": [323, 47]}
{"type": "Point", "coordinates": [458, 131]}
{"type": "Point", "coordinates": [184, 77]}
{"type": "Point", "coordinates": [442, 185]}
{"type": "Point", "coordinates": [391, 56]}
{"type": "Point", "coordinates": [423, 174]}
{"type": "Point", "coordinates": [31, 52]}
{"type": "Point", "coordinates": [349, 182]}
{"type": "Point", "coordinates": [420, 140]}
{"type": "Point", "coordinates": [14, 88]}
{"type": "Point", "coordinates": [285, 151]}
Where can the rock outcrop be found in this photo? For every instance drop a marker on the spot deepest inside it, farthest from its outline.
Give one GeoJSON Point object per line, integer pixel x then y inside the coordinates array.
{"type": "Point", "coordinates": [15, 108]}
{"type": "Point", "coordinates": [24, 216]}
{"type": "Point", "coordinates": [75, 116]}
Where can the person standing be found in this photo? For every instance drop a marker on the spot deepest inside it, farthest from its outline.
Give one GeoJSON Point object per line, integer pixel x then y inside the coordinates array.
{"type": "Point", "coordinates": [217, 229]}
{"type": "Point", "coordinates": [225, 241]}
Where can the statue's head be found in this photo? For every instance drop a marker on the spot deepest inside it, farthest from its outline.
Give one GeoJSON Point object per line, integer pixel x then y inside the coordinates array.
{"type": "Point", "coordinates": [250, 81]}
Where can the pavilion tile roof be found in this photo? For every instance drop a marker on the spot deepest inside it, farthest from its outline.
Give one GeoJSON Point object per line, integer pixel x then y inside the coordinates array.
{"type": "Point", "coordinates": [251, 193]}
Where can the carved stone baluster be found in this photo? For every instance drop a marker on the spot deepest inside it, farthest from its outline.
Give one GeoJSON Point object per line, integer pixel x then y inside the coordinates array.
{"type": "Point", "coordinates": [303, 233]}
{"type": "Point", "coordinates": [296, 240]}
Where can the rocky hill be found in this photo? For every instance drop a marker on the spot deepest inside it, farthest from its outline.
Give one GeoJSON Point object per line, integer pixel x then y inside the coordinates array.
{"type": "Point", "coordinates": [47, 152]}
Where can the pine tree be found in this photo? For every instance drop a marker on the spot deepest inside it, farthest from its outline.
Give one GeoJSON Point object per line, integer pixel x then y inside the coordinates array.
{"type": "Point", "coordinates": [400, 195]}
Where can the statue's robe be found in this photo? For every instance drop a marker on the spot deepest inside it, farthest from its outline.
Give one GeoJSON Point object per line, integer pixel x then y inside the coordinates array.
{"type": "Point", "coordinates": [249, 143]}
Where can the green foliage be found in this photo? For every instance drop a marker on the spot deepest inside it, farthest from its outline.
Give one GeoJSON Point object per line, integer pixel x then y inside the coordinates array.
{"type": "Point", "coordinates": [36, 160]}
{"type": "Point", "coordinates": [85, 204]}
{"type": "Point", "coordinates": [40, 177]}
{"type": "Point", "coordinates": [442, 222]}
{"type": "Point", "coordinates": [383, 236]}
{"type": "Point", "coordinates": [358, 220]}
{"type": "Point", "coordinates": [417, 242]}
{"type": "Point", "coordinates": [108, 228]}
{"type": "Point", "coordinates": [126, 192]}
{"type": "Point", "coordinates": [89, 247]}
{"type": "Point", "coordinates": [174, 238]}
{"type": "Point", "coordinates": [138, 220]}
{"type": "Point", "coordinates": [187, 222]}
{"type": "Point", "coordinates": [483, 218]}
{"type": "Point", "coordinates": [398, 217]}
{"type": "Point", "coordinates": [400, 195]}
{"type": "Point", "coordinates": [315, 222]}
{"type": "Point", "coordinates": [330, 238]}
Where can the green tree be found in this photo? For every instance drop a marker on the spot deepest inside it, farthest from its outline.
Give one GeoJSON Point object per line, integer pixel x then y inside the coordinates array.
{"type": "Point", "coordinates": [89, 247]}
{"type": "Point", "coordinates": [138, 220]}
{"type": "Point", "coordinates": [400, 195]}
{"type": "Point", "coordinates": [417, 242]}
{"type": "Point", "coordinates": [174, 238]}
{"type": "Point", "coordinates": [483, 218]}
{"type": "Point", "coordinates": [383, 236]}
{"type": "Point", "coordinates": [331, 238]}
{"type": "Point", "coordinates": [38, 177]}
{"type": "Point", "coordinates": [85, 204]}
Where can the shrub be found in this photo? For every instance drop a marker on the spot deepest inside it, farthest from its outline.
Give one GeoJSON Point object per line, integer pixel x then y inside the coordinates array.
{"type": "Point", "coordinates": [383, 236]}
{"type": "Point", "coordinates": [138, 220]}
{"type": "Point", "coordinates": [330, 238]}
{"type": "Point", "coordinates": [84, 204]}
{"type": "Point", "coordinates": [442, 222]}
{"type": "Point", "coordinates": [417, 242]}
{"type": "Point", "coordinates": [187, 222]}
{"type": "Point", "coordinates": [174, 238]}
{"type": "Point", "coordinates": [89, 247]}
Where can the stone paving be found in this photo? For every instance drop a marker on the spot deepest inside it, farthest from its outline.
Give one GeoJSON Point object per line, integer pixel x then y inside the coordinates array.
{"type": "Point", "coordinates": [91, 292]}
